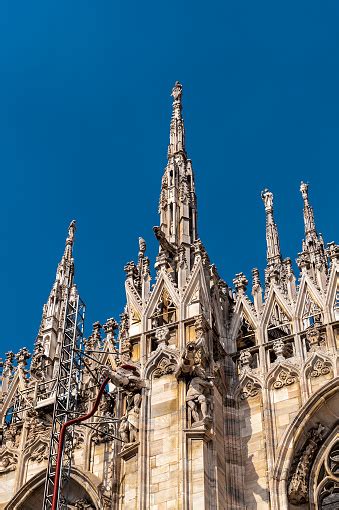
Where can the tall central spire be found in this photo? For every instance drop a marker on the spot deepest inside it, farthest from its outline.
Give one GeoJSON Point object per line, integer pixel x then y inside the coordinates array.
{"type": "Point", "coordinates": [177, 206]}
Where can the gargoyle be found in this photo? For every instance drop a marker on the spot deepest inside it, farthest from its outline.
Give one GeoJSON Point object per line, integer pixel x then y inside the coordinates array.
{"type": "Point", "coordinates": [165, 245]}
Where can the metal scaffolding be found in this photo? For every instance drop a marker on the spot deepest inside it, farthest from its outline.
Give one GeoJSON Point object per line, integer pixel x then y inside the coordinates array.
{"type": "Point", "coordinates": [66, 399]}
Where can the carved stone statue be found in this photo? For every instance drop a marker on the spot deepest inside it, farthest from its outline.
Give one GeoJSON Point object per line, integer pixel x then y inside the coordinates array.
{"type": "Point", "coordinates": [279, 349]}
{"type": "Point", "coordinates": [198, 397]}
{"type": "Point", "coordinates": [37, 364]}
{"type": "Point", "coordinates": [11, 435]}
{"type": "Point", "coordinates": [177, 91]}
{"type": "Point", "coordinates": [129, 426]}
{"type": "Point", "coordinates": [267, 198]}
{"type": "Point", "coordinates": [245, 360]}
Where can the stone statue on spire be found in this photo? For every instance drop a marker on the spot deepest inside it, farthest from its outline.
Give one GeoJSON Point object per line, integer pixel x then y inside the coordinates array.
{"type": "Point", "coordinates": [267, 198]}
{"type": "Point", "coordinates": [177, 91]}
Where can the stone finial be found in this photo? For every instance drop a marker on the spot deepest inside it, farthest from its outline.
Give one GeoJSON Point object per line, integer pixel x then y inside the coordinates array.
{"type": "Point", "coordinates": [240, 282]}
{"type": "Point", "coordinates": [8, 364]}
{"type": "Point", "coordinates": [333, 251]}
{"type": "Point", "coordinates": [22, 356]}
{"type": "Point", "coordinates": [288, 266]}
{"type": "Point", "coordinates": [96, 332]}
{"type": "Point", "coordinates": [255, 278]}
{"type": "Point", "coordinates": [130, 269]}
{"type": "Point", "coordinates": [124, 325]}
{"type": "Point", "coordinates": [142, 247]}
{"type": "Point", "coordinates": [110, 326]}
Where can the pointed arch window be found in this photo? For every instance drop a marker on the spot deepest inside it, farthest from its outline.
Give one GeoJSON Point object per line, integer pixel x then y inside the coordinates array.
{"type": "Point", "coordinates": [311, 312]}
{"type": "Point", "coordinates": [246, 335]}
{"type": "Point", "coordinates": [327, 490]}
{"type": "Point", "coordinates": [165, 311]}
{"type": "Point", "coordinates": [279, 324]}
{"type": "Point", "coordinates": [336, 305]}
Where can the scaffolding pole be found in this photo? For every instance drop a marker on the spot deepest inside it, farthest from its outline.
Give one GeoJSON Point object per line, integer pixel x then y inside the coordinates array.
{"type": "Point", "coordinates": [66, 400]}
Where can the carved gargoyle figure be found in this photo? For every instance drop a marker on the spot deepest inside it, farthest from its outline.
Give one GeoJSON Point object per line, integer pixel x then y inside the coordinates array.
{"type": "Point", "coordinates": [125, 376]}
{"type": "Point", "coordinates": [129, 425]}
{"type": "Point", "coordinates": [186, 365]}
{"type": "Point", "coordinates": [166, 246]}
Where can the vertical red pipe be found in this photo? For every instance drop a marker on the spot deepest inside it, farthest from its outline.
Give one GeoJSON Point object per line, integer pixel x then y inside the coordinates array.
{"type": "Point", "coordinates": [62, 438]}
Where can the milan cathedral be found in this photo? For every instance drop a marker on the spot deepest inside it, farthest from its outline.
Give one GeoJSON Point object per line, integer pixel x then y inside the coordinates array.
{"type": "Point", "coordinates": [203, 396]}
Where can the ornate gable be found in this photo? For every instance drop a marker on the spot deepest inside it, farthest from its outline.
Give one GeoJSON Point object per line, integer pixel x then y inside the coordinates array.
{"type": "Point", "coordinates": [277, 317]}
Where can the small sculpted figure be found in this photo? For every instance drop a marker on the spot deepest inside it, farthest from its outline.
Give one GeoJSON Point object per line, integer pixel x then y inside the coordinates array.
{"type": "Point", "coordinates": [198, 396]}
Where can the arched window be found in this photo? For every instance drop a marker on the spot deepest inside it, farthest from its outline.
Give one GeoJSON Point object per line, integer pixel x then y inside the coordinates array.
{"type": "Point", "coordinates": [311, 313]}
{"type": "Point", "coordinates": [336, 305]}
{"type": "Point", "coordinates": [279, 325]}
{"type": "Point", "coordinates": [165, 311]}
{"type": "Point", "coordinates": [246, 335]}
{"type": "Point", "coordinates": [327, 483]}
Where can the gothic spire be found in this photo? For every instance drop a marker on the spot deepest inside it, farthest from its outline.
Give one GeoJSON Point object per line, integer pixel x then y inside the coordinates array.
{"type": "Point", "coordinates": [310, 230]}
{"type": "Point", "coordinates": [312, 259]}
{"type": "Point", "coordinates": [272, 237]}
{"type": "Point", "coordinates": [177, 206]}
{"type": "Point", "coordinates": [54, 310]}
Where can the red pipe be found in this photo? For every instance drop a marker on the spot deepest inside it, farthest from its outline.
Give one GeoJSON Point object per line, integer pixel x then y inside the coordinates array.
{"type": "Point", "coordinates": [62, 438]}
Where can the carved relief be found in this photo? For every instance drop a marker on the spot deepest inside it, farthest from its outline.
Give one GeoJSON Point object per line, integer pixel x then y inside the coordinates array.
{"type": "Point", "coordinates": [166, 365]}
{"type": "Point", "coordinates": [285, 377]}
{"type": "Point", "coordinates": [8, 460]}
{"type": "Point", "coordinates": [319, 366]}
{"type": "Point", "coordinates": [249, 388]}
{"type": "Point", "coordinates": [40, 452]}
{"type": "Point", "coordinates": [299, 475]}
{"type": "Point", "coordinates": [11, 435]}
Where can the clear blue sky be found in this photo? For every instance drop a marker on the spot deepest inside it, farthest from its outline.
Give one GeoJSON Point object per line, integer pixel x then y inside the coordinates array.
{"type": "Point", "coordinates": [84, 124]}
